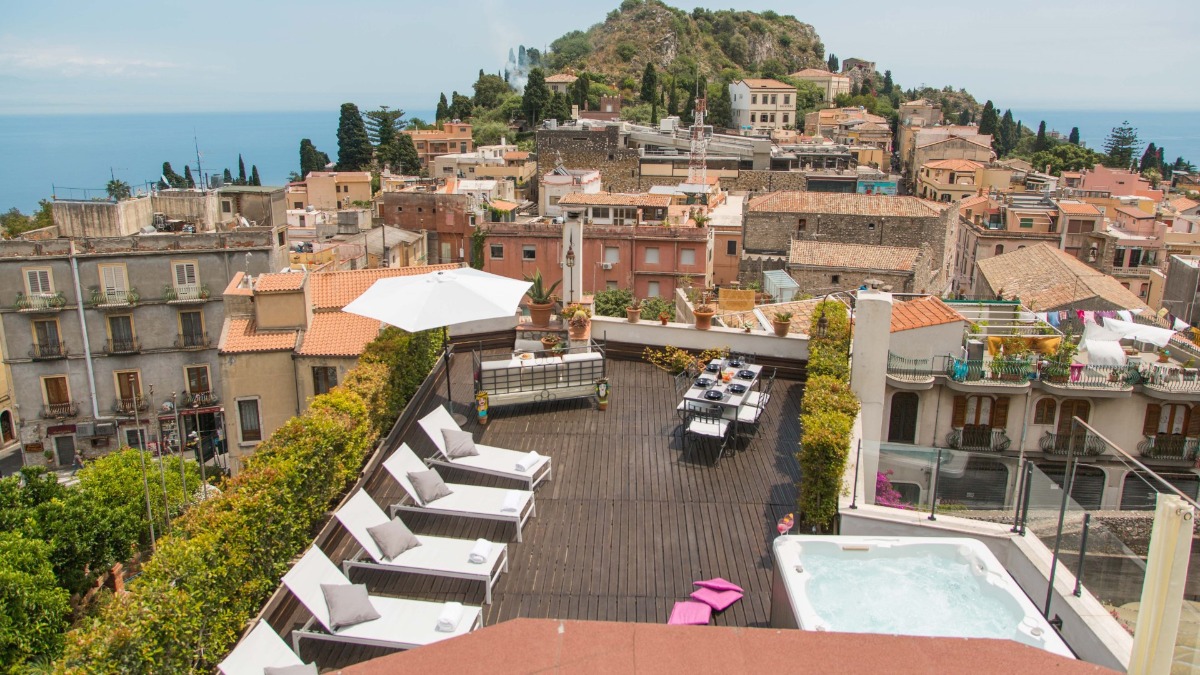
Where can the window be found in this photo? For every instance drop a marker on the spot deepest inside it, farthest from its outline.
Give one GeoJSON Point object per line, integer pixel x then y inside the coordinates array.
{"type": "Point", "coordinates": [787, 99]}
{"type": "Point", "coordinates": [57, 391]}
{"type": "Point", "coordinates": [7, 434]}
{"type": "Point", "coordinates": [1026, 223]}
{"type": "Point", "coordinates": [529, 252]}
{"type": "Point", "coordinates": [38, 281]}
{"type": "Point", "coordinates": [297, 205]}
{"type": "Point", "coordinates": [599, 212]}
{"type": "Point", "coordinates": [120, 334]}
{"type": "Point", "coordinates": [731, 247]}
{"type": "Point", "coordinates": [280, 237]}
{"type": "Point", "coordinates": [871, 227]}
{"type": "Point", "coordinates": [835, 278]}
{"type": "Point", "coordinates": [399, 209]}
{"type": "Point", "coordinates": [753, 99]}
{"type": "Point", "coordinates": [772, 120]}
{"type": "Point", "coordinates": [135, 438]}
{"type": "Point", "coordinates": [687, 256]}
{"type": "Point", "coordinates": [802, 225]}
{"type": "Point", "coordinates": [324, 379]}
{"type": "Point", "coordinates": [785, 118]}
{"type": "Point", "coordinates": [999, 249]}
{"type": "Point", "coordinates": [1043, 412]}
{"type": "Point", "coordinates": [651, 255]}
{"type": "Point", "coordinates": [652, 289]}
{"type": "Point", "coordinates": [129, 390]}
{"type": "Point", "coordinates": [497, 251]}
{"type": "Point", "coordinates": [610, 285]}
{"type": "Point", "coordinates": [226, 206]}
{"type": "Point", "coordinates": [752, 120]}
{"type": "Point", "coordinates": [113, 282]}
{"type": "Point", "coordinates": [774, 97]}
{"type": "Point", "coordinates": [45, 337]}
{"type": "Point", "coordinates": [184, 273]}
{"type": "Point", "coordinates": [1145, 289]}
{"type": "Point", "coordinates": [612, 254]}
{"type": "Point", "coordinates": [197, 379]}
{"type": "Point", "coordinates": [248, 421]}
{"type": "Point", "coordinates": [191, 329]}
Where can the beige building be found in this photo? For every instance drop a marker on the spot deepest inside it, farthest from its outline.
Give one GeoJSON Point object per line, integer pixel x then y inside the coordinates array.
{"type": "Point", "coordinates": [762, 106]}
{"type": "Point", "coordinates": [10, 447]}
{"type": "Point", "coordinates": [948, 180]}
{"type": "Point", "coordinates": [432, 143]}
{"type": "Point", "coordinates": [329, 190]}
{"type": "Point", "coordinates": [920, 112]}
{"type": "Point", "coordinates": [559, 83]}
{"type": "Point", "coordinates": [831, 84]}
{"type": "Point", "coordinates": [933, 144]}
{"type": "Point", "coordinates": [285, 339]}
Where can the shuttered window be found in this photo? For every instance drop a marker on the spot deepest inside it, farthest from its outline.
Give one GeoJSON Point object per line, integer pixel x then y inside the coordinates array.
{"type": "Point", "coordinates": [185, 273]}
{"type": "Point", "coordinates": [980, 411]}
{"type": "Point", "coordinates": [112, 278]}
{"type": "Point", "coordinates": [38, 282]}
{"type": "Point", "coordinates": [1043, 412]}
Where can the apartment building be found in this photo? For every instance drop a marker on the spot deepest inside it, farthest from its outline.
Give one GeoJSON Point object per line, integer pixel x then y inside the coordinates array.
{"type": "Point", "coordinates": [453, 137]}
{"type": "Point", "coordinates": [329, 190]}
{"type": "Point", "coordinates": [760, 106]}
{"type": "Point", "coordinates": [832, 84]}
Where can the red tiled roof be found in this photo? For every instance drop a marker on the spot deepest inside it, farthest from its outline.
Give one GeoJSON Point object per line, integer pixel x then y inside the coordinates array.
{"type": "Point", "coordinates": [922, 313]}
{"type": "Point", "coordinates": [1182, 204]}
{"type": "Point", "coordinates": [1133, 212]}
{"type": "Point", "coordinates": [1078, 208]}
{"type": "Point", "coordinates": [561, 77]}
{"type": "Point", "coordinates": [954, 164]}
{"type": "Point", "coordinates": [338, 334]}
{"type": "Point", "coordinates": [615, 199]}
{"type": "Point", "coordinates": [852, 256]}
{"type": "Point", "coordinates": [815, 72]}
{"type": "Point", "coordinates": [334, 290]}
{"type": "Point", "coordinates": [845, 204]}
{"type": "Point", "coordinates": [1045, 277]}
{"type": "Point", "coordinates": [516, 154]}
{"type": "Point", "coordinates": [766, 84]}
{"type": "Point", "coordinates": [243, 336]}
{"type": "Point", "coordinates": [279, 281]}
{"type": "Point", "coordinates": [973, 201]}
{"type": "Point", "coordinates": [553, 646]}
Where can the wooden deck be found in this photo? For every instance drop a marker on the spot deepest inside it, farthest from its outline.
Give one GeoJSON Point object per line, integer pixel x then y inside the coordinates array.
{"type": "Point", "coordinates": [628, 522]}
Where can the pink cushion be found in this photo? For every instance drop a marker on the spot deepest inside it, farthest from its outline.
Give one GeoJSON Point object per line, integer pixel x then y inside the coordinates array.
{"type": "Point", "coordinates": [718, 600]}
{"type": "Point", "coordinates": [718, 584]}
{"type": "Point", "coordinates": [688, 613]}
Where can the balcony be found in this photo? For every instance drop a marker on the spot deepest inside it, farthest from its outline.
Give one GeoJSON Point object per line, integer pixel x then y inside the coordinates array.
{"type": "Point", "coordinates": [1170, 381]}
{"type": "Point", "coordinates": [994, 376]}
{"type": "Point", "coordinates": [978, 439]}
{"type": "Point", "coordinates": [40, 302]}
{"type": "Point", "coordinates": [1169, 446]}
{"type": "Point", "coordinates": [128, 406]}
{"type": "Point", "coordinates": [58, 411]}
{"type": "Point", "coordinates": [129, 346]}
{"type": "Point", "coordinates": [50, 350]}
{"type": "Point", "coordinates": [200, 399]}
{"type": "Point", "coordinates": [192, 341]}
{"type": "Point", "coordinates": [1097, 381]}
{"type": "Point", "coordinates": [1079, 444]}
{"type": "Point", "coordinates": [114, 299]}
{"type": "Point", "coordinates": [910, 374]}
{"type": "Point", "coordinates": [186, 294]}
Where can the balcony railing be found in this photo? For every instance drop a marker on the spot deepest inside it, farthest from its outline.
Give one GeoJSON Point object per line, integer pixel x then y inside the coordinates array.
{"type": "Point", "coordinates": [1079, 444]}
{"type": "Point", "coordinates": [130, 346]}
{"type": "Point", "coordinates": [978, 439]}
{"type": "Point", "coordinates": [40, 302]}
{"type": "Point", "coordinates": [102, 298]}
{"type": "Point", "coordinates": [200, 398]}
{"type": "Point", "coordinates": [1169, 446]}
{"type": "Point", "coordinates": [60, 410]}
{"type": "Point", "coordinates": [186, 293]}
{"type": "Point", "coordinates": [909, 369]}
{"type": "Point", "coordinates": [962, 370]}
{"type": "Point", "coordinates": [50, 350]}
{"type": "Point", "coordinates": [130, 405]}
{"type": "Point", "coordinates": [1084, 376]}
{"type": "Point", "coordinates": [192, 341]}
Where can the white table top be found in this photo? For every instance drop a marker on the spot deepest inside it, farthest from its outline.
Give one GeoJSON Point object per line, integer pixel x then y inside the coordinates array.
{"type": "Point", "coordinates": [730, 400]}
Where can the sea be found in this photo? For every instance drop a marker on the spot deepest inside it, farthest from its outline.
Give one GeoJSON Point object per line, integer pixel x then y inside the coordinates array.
{"type": "Point", "coordinates": [74, 156]}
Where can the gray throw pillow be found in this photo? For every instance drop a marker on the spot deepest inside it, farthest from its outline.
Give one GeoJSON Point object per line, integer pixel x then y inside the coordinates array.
{"type": "Point", "coordinates": [302, 669]}
{"type": "Point", "coordinates": [429, 485]}
{"type": "Point", "coordinates": [459, 443]}
{"type": "Point", "coordinates": [348, 605]}
{"type": "Point", "coordinates": [393, 538]}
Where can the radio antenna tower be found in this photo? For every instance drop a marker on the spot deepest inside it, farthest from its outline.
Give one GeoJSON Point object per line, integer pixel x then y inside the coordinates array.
{"type": "Point", "coordinates": [698, 157]}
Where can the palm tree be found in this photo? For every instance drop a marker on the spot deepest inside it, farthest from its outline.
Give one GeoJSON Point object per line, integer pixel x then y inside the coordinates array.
{"type": "Point", "coordinates": [118, 190]}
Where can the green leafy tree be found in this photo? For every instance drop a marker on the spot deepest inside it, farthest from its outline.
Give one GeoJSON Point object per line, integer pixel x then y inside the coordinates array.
{"type": "Point", "coordinates": [649, 90]}
{"type": "Point", "coordinates": [1041, 142]}
{"type": "Point", "coordinates": [311, 159]}
{"type": "Point", "coordinates": [1121, 146]}
{"type": "Point", "coordinates": [488, 133]}
{"type": "Point", "coordinates": [720, 107]}
{"type": "Point", "coordinates": [613, 302]}
{"type": "Point", "coordinates": [443, 110]}
{"type": "Point", "coordinates": [989, 120]}
{"type": "Point", "coordinates": [188, 181]}
{"type": "Point", "coordinates": [33, 609]}
{"type": "Point", "coordinates": [536, 96]}
{"type": "Point", "coordinates": [14, 222]}
{"type": "Point", "coordinates": [652, 308]}
{"type": "Point", "coordinates": [1065, 157]}
{"type": "Point", "coordinates": [254, 179]}
{"type": "Point", "coordinates": [579, 91]}
{"type": "Point", "coordinates": [559, 108]}
{"type": "Point", "coordinates": [1073, 137]}
{"type": "Point", "coordinates": [406, 155]}
{"type": "Point", "coordinates": [1150, 159]}
{"type": "Point", "coordinates": [354, 147]}
{"type": "Point", "coordinates": [241, 179]}
{"type": "Point", "coordinates": [461, 107]}
{"type": "Point", "coordinates": [832, 63]}
{"type": "Point", "coordinates": [1154, 176]}
{"type": "Point", "coordinates": [118, 190]}
{"type": "Point", "coordinates": [489, 89]}
{"type": "Point", "coordinates": [227, 177]}
{"type": "Point", "coordinates": [964, 117]}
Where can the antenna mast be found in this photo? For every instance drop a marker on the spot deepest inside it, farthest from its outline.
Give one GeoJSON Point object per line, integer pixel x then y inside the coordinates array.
{"type": "Point", "coordinates": [698, 157]}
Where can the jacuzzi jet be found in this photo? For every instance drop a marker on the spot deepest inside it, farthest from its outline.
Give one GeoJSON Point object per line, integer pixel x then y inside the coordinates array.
{"type": "Point", "coordinates": [1036, 631]}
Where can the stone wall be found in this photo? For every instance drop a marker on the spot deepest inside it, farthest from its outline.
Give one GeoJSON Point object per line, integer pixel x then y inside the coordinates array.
{"type": "Point", "coordinates": [816, 280]}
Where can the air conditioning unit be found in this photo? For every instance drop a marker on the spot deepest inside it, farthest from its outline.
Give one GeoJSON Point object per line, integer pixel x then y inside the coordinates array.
{"type": "Point", "coordinates": [606, 266]}
{"type": "Point", "coordinates": [85, 430]}
{"type": "Point", "coordinates": [106, 429]}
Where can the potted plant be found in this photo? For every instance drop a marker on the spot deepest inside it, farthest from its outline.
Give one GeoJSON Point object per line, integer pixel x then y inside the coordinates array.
{"type": "Point", "coordinates": [664, 317]}
{"type": "Point", "coordinates": [549, 342]}
{"type": "Point", "coordinates": [1164, 355]}
{"type": "Point", "coordinates": [541, 299]}
{"type": "Point", "coordinates": [634, 310]}
{"type": "Point", "coordinates": [578, 318]}
{"type": "Point", "coordinates": [782, 323]}
{"type": "Point", "coordinates": [704, 313]}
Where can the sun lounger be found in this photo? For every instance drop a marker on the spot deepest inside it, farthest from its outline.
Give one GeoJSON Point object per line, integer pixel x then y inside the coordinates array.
{"type": "Point", "coordinates": [468, 501]}
{"type": "Point", "coordinates": [402, 624]}
{"type": "Point", "coordinates": [490, 460]}
{"type": "Point", "coordinates": [436, 556]}
{"type": "Point", "coordinates": [261, 648]}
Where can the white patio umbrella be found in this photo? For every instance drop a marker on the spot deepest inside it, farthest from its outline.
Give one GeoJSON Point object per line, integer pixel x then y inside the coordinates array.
{"type": "Point", "coordinates": [438, 300]}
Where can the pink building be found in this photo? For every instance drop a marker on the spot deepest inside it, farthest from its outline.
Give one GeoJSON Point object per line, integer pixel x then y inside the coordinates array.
{"type": "Point", "coordinates": [1118, 183]}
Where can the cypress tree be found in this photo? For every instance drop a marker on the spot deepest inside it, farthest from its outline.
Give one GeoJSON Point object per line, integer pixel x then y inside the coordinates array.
{"type": "Point", "coordinates": [1006, 134]}
{"type": "Point", "coordinates": [887, 82]}
{"type": "Point", "coordinates": [1073, 138]}
{"type": "Point", "coordinates": [649, 84]}
{"type": "Point", "coordinates": [241, 179]}
{"type": "Point", "coordinates": [964, 117]}
{"type": "Point", "coordinates": [406, 155]}
{"type": "Point", "coordinates": [443, 110]}
{"type": "Point", "coordinates": [254, 179]}
{"type": "Point", "coordinates": [228, 177]}
{"type": "Point", "coordinates": [354, 147]}
{"type": "Point", "coordinates": [536, 97]}
{"type": "Point", "coordinates": [1041, 143]}
{"type": "Point", "coordinates": [832, 63]}
{"type": "Point", "coordinates": [988, 120]}
{"type": "Point", "coordinates": [187, 177]}
{"type": "Point", "coordinates": [311, 159]}
{"type": "Point", "coordinates": [1149, 158]}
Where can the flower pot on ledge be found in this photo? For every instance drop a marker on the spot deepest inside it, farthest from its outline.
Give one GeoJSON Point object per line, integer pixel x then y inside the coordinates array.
{"type": "Point", "coordinates": [781, 327]}
{"type": "Point", "coordinates": [703, 319]}
{"type": "Point", "coordinates": [633, 314]}
{"type": "Point", "coordinates": [539, 314]}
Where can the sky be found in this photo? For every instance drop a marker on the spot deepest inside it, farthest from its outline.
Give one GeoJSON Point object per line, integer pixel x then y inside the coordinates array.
{"type": "Point", "coordinates": [58, 56]}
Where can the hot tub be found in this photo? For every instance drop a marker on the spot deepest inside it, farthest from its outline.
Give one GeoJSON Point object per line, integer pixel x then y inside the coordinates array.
{"type": "Point", "coordinates": [928, 586]}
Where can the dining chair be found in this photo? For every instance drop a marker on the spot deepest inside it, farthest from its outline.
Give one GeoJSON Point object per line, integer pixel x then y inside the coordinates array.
{"type": "Point", "coordinates": [707, 422]}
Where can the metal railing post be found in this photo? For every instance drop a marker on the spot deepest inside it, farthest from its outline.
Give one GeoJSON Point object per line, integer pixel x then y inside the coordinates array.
{"type": "Point", "coordinates": [854, 488]}
{"type": "Point", "coordinates": [1087, 523]}
{"type": "Point", "coordinates": [1068, 476]}
{"type": "Point", "coordinates": [937, 482]}
{"type": "Point", "coordinates": [1022, 496]}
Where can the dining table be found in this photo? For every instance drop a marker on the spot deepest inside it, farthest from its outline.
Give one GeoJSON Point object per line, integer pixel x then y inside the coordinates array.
{"type": "Point", "coordinates": [731, 398]}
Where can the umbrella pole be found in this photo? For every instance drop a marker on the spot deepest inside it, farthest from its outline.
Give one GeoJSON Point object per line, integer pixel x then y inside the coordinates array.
{"type": "Point", "coordinates": [459, 419]}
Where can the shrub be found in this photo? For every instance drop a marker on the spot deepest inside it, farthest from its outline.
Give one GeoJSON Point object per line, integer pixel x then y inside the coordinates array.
{"type": "Point", "coordinates": [674, 360]}
{"type": "Point", "coordinates": [824, 392]}
{"type": "Point", "coordinates": [613, 302]}
{"type": "Point", "coordinates": [33, 608]}
{"type": "Point", "coordinates": [654, 307]}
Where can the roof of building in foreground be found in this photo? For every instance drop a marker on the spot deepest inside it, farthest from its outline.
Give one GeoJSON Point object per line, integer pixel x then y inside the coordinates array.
{"type": "Point", "coordinates": [1046, 278]}
{"type": "Point", "coordinates": [615, 199]}
{"type": "Point", "coordinates": [922, 313]}
{"type": "Point", "coordinates": [852, 256]}
{"type": "Point", "coordinates": [846, 204]}
{"type": "Point", "coordinates": [553, 645]}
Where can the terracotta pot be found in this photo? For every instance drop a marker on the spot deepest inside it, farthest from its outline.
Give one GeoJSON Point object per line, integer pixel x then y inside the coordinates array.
{"type": "Point", "coordinates": [633, 314]}
{"type": "Point", "coordinates": [781, 327]}
{"type": "Point", "coordinates": [548, 342]}
{"type": "Point", "coordinates": [703, 320]}
{"type": "Point", "coordinates": [540, 314]}
{"type": "Point", "coordinates": [577, 332]}
{"type": "Point", "coordinates": [664, 321]}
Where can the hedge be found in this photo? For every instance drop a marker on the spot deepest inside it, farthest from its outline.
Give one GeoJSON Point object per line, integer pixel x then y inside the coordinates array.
{"type": "Point", "coordinates": [33, 608]}
{"type": "Point", "coordinates": [827, 413]}
{"type": "Point", "coordinates": [225, 557]}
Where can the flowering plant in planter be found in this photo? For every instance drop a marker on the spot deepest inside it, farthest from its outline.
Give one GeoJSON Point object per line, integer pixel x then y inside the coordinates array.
{"type": "Point", "coordinates": [886, 495]}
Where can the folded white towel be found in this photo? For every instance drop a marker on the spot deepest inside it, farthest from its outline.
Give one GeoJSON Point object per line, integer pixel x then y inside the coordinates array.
{"type": "Point", "coordinates": [451, 615]}
{"type": "Point", "coordinates": [528, 461]}
{"type": "Point", "coordinates": [512, 501]}
{"type": "Point", "coordinates": [480, 552]}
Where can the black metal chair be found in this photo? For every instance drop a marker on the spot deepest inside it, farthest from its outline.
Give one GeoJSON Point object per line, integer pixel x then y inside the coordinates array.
{"type": "Point", "coordinates": [745, 357]}
{"type": "Point", "coordinates": [706, 422]}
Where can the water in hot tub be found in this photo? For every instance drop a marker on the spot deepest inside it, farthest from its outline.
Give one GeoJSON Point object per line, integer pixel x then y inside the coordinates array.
{"type": "Point", "coordinates": [913, 593]}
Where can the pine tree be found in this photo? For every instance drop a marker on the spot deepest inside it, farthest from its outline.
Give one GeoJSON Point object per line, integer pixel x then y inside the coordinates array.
{"type": "Point", "coordinates": [354, 148]}
{"type": "Point", "coordinates": [406, 155]}
{"type": "Point", "coordinates": [254, 179]}
{"type": "Point", "coordinates": [988, 120]}
{"type": "Point", "coordinates": [443, 110]}
{"type": "Point", "coordinates": [559, 108]}
{"type": "Point", "coordinates": [1041, 142]}
{"type": "Point", "coordinates": [832, 63]}
{"type": "Point", "coordinates": [187, 177]}
{"type": "Point", "coordinates": [241, 179]}
{"type": "Point", "coordinates": [461, 106]}
{"type": "Point", "coordinates": [1121, 145]}
{"type": "Point", "coordinates": [1149, 159]}
{"type": "Point", "coordinates": [649, 84]}
{"type": "Point", "coordinates": [382, 125]}
{"type": "Point", "coordinates": [1073, 138]}
{"type": "Point", "coordinates": [227, 177]}
{"type": "Point", "coordinates": [536, 96]}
